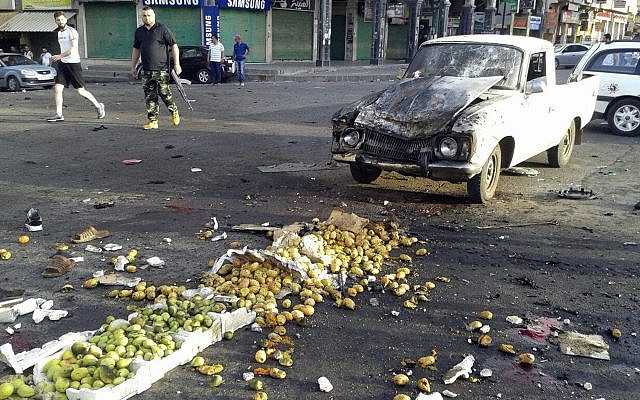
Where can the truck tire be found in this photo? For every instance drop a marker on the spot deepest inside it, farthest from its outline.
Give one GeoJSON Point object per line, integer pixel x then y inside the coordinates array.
{"type": "Point", "coordinates": [483, 186]}
{"type": "Point", "coordinates": [13, 84]}
{"type": "Point", "coordinates": [559, 155]}
{"type": "Point", "coordinates": [624, 117]}
{"type": "Point", "coordinates": [364, 173]}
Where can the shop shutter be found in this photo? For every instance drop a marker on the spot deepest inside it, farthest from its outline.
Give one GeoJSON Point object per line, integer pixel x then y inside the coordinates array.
{"type": "Point", "coordinates": [251, 25]}
{"type": "Point", "coordinates": [292, 35]}
{"type": "Point", "coordinates": [110, 29]}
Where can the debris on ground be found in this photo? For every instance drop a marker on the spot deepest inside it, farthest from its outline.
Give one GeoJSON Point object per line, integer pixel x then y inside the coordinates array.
{"type": "Point", "coordinates": [541, 330]}
{"type": "Point", "coordinates": [296, 167]}
{"type": "Point", "coordinates": [324, 384]}
{"type": "Point", "coordinates": [522, 171]}
{"type": "Point", "coordinates": [578, 344]}
{"type": "Point", "coordinates": [430, 396]}
{"type": "Point", "coordinates": [88, 234]}
{"type": "Point", "coordinates": [577, 194]}
{"type": "Point", "coordinates": [462, 369]}
{"type": "Point", "coordinates": [131, 161]}
{"type": "Point", "coordinates": [34, 220]}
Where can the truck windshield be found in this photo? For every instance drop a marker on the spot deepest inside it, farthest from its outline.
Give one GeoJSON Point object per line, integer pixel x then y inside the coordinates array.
{"type": "Point", "coordinates": [470, 60]}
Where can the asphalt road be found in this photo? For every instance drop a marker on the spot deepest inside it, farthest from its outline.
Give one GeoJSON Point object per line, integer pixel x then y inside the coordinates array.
{"type": "Point", "coordinates": [582, 269]}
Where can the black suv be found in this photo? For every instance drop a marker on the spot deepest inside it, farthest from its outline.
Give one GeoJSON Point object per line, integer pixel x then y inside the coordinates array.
{"type": "Point", "coordinates": [195, 65]}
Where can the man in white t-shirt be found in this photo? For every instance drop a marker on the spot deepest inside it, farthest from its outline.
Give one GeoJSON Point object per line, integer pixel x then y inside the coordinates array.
{"type": "Point", "coordinates": [45, 57]}
{"type": "Point", "coordinates": [216, 56]}
{"type": "Point", "coordinates": [68, 68]}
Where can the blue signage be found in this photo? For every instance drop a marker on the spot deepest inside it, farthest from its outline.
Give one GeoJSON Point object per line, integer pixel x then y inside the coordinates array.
{"type": "Point", "coordinates": [210, 23]}
{"type": "Point", "coordinates": [172, 3]}
{"type": "Point", "coordinates": [534, 23]}
{"type": "Point", "coordinates": [262, 5]}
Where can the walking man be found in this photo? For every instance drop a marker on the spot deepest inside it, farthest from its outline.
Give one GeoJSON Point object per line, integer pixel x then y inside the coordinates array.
{"type": "Point", "coordinates": [150, 44]}
{"type": "Point", "coordinates": [216, 56]}
{"type": "Point", "coordinates": [240, 53]}
{"type": "Point", "coordinates": [68, 69]}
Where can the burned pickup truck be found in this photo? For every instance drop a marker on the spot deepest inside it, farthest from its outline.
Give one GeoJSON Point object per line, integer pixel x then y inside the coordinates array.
{"type": "Point", "coordinates": [467, 107]}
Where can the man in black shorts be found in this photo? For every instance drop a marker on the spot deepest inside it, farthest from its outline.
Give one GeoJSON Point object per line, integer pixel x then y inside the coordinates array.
{"type": "Point", "coordinates": [150, 44]}
{"type": "Point", "coordinates": [69, 71]}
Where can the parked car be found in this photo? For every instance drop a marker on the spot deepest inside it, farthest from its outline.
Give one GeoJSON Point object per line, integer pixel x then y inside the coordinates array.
{"type": "Point", "coordinates": [467, 107]}
{"type": "Point", "coordinates": [195, 65]}
{"type": "Point", "coordinates": [568, 55]}
{"type": "Point", "coordinates": [18, 71]}
{"type": "Point", "coordinates": [618, 102]}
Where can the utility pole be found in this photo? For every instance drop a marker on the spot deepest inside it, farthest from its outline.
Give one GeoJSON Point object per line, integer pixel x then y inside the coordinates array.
{"type": "Point", "coordinates": [379, 33]}
{"type": "Point", "coordinates": [466, 19]}
{"type": "Point", "coordinates": [324, 34]}
{"type": "Point", "coordinates": [443, 18]}
{"type": "Point", "coordinates": [490, 16]}
{"type": "Point", "coordinates": [415, 9]}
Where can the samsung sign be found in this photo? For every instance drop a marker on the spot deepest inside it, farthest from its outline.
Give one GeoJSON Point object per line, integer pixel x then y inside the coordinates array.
{"type": "Point", "coordinates": [262, 5]}
{"type": "Point", "coordinates": [172, 3]}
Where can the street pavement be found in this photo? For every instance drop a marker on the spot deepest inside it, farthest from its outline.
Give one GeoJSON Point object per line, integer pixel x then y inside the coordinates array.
{"type": "Point", "coordinates": [527, 253]}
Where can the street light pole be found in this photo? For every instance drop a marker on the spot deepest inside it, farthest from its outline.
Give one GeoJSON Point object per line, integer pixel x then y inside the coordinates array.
{"type": "Point", "coordinates": [413, 31]}
{"type": "Point", "coordinates": [379, 32]}
{"type": "Point", "coordinates": [324, 34]}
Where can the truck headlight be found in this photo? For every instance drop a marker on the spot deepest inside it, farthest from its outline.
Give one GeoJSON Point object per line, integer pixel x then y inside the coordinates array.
{"type": "Point", "coordinates": [351, 138]}
{"type": "Point", "coordinates": [448, 147]}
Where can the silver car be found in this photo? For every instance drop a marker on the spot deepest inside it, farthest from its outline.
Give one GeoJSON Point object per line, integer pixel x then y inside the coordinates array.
{"type": "Point", "coordinates": [568, 55]}
{"type": "Point", "coordinates": [18, 71]}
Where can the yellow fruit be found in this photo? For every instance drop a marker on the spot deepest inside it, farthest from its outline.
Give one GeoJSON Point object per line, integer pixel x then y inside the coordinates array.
{"type": "Point", "coordinates": [277, 373]}
{"type": "Point", "coordinates": [484, 341]}
{"type": "Point", "coordinates": [400, 379]}
{"type": "Point", "coordinates": [424, 385]}
{"type": "Point", "coordinates": [260, 396]}
{"type": "Point", "coordinates": [235, 245]}
{"type": "Point", "coordinates": [526, 358]}
{"type": "Point", "coordinates": [261, 356]}
{"type": "Point", "coordinates": [256, 384]}
{"type": "Point", "coordinates": [6, 390]}
{"type": "Point", "coordinates": [6, 255]}
{"type": "Point", "coordinates": [421, 252]}
{"type": "Point", "coordinates": [348, 303]}
{"type": "Point", "coordinates": [616, 333]}
{"type": "Point", "coordinates": [197, 361]}
{"type": "Point", "coordinates": [426, 361]}
{"type": "Point", "coordinates": [405, 257]}
{"type": "Point", "coordinates": [401, 397]}
{"type": "Point", "coordinates": [506, 348]}
{"type": "Point", "coordinates": [26, 391]}
{"type": "Point", "coordinates": [216, 381]}
{"type": "Point", "coordinates": [62, 247]}
{"type": "Point", "coordinates": [91, 283]}
{"type": "Point", "coordinates": [131, 268]}
{"type": "Point", "coordinates": [486, 315]}
{"type": "Point", "coordinates": [23, 239]}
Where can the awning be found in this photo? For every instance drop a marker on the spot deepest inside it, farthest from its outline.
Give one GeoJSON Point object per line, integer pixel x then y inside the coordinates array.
{"type": "Point", "coordinates": [32, 21]}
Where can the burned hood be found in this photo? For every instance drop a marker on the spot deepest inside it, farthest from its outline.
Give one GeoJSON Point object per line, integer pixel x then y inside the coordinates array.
{"type": "Point", "coordinates": [422, 105]}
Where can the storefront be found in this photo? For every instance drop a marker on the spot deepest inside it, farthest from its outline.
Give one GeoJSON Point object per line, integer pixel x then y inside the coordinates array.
{"type": "Point", "coordinates": [247, 18]}
{"type": "Point", "coordinates": [292, 22]}
{"type": "Point", "coordinates": [109, 28]}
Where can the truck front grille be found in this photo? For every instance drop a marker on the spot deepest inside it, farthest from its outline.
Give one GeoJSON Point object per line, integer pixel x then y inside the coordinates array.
{"type": "Point", "coordinates": [392, 147]}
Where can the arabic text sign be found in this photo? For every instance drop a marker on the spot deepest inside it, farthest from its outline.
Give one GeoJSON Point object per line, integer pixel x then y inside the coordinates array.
{"type": "Point", "coordinates": [262, 5]}
{"type": "Point", "coordinates": [45, 4]}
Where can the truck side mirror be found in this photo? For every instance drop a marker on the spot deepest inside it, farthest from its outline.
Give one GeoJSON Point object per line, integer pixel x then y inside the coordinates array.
{"type": "Point", "coordinates": [534, 86]}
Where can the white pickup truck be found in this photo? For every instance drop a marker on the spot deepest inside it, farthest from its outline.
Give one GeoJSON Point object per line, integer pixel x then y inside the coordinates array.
{"type": "Point", "coordinates": [467, 107]}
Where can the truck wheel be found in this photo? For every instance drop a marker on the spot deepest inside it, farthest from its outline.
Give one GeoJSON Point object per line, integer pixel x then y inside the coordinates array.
{"type": "Point", "coordinates": [203, 76]}
{"type": "Point", "coordinates": [13, 84]}
{"type": "Point", "coordinates": [483, 186]}
{"type": "Point", "coordinates": [624, 117]}
{"type": "Point", "coordinates": [559, 155]}
{"type": "Point", "coordinates": [364, 173]}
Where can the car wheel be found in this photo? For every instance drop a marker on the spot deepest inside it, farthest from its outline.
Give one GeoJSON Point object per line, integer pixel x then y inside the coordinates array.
{"type": "Point", "coordinates": [483, 186]}
{"type": "Point", "coordinates": [13, 84]}
{"type": "Point", "coordinates": [557, 63]}
{"type": "Point", "coordinates": [364, 173]}
{"type": "Point", "coordinates": [203, 76]}
{"type": "Point", "coordinates": [624, 117]}
{"type": "Point", "coordinates": [559, 155]}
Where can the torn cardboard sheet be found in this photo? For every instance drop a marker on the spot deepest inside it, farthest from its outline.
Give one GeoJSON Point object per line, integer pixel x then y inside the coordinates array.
{"type": "Point", "coordinates": [578, 344]}
{"type": "Point", "coordinates": [8, 315]}
{"type": "Point", "coordinates": [27, 359]}
{"type": "Point", "coordinates": [296, 167]}
{"type": "Point", "coordinates": [345, 221]}
{"type": "Point", "coordinates": [116, 279]}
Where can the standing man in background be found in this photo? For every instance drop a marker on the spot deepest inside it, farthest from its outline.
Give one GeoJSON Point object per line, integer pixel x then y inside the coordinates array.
{"type": "Point", "coordinates": [240, 53]}
{"type": "Point", "coordinates": [150, 44]}
{"type": "Point", "coordinates": [216, 56]}
{"type": "Point", "coordinates": [68, 69]}
{"type": "Point", "coordinates": [28, 53]}
{"type": "Point", "coordinates": [45, 57]}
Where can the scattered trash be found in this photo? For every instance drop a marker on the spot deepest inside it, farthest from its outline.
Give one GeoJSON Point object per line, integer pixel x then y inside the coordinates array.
{"type": "Point", "coordinates": [395, 313]}
{"type": "Point", "coordinates": [77, 259]}
{"type": "Point", "coordinates": [88, 234]}
{"type": "Point", "coordinates": [514, 319]}
{"type": "Point", "coordinates": [54, 315]}
{"type": "Point", "coordinates": [637, 206]}
{"type": "Point", "coordinates": [522, 171]}
{"type": "Point", "coordinates": [346, 221]}
{"type": "Point", "coordinates": [577, 194]}
{"type": "Point", "coordinates": [324, 384]}
{"type": "Point", "coordinates": [541, 330]}
{"type": "Point", "coordinates": [462, 369]}
{"type": "Point", "coordinates": [112, 247]}
{"type": "Point", "coordinates": [57, 266]}
{"type": "Point", "coordinates": [93, 249]}
{"type": "Point", "coordinates": [99, 206]}
{"type": "Point", "coordinates": [486, 373]}
{"type": "Point", "coordinates": [195, 169]}
{"type": "Point", "coordinates": [587, 386]}
{"type": "Point", "coordinates": [131, 161]}
{"type": "Point", "coordinates": [374, 302]}
{"type": "Point", "coordinates": [167, 240]}
{"type": "Point", "coordinates": [485, 329]}
{"type": "Point", "coordinates": [449, 393]}
{"type": "Point", "coordinates": [252, 227]}
{"type": "Point", "coordinates": [99, 128]}
{"type": "Point", "coordinates": [120, 263]}
{"type": "Point", "coordinates": [221, 236]}
{"type": "Point", "coordinates": [118, 280]}
{"type": "Point", "coordinates": [578, 344]}
{"type": "Point", "coordinates": [156, 262]}
{"type": "Point", "coordinates": [552, 222]}
{"type": "Point", "coordinates": [630, 243]}
{"type": "Point", "coordinates": [295, 167]}
{"type": "Point", "coordinates": [430, 396]}
{"type": "Point", "coordinates": [34, 220]}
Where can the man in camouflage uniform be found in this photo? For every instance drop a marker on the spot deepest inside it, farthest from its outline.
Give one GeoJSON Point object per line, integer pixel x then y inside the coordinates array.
{"type": "Point", "coordinates": [150, 44]}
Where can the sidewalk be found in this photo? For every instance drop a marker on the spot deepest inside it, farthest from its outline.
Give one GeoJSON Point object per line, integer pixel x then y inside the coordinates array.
{"type": "Point", "coordinates": [337, 71]}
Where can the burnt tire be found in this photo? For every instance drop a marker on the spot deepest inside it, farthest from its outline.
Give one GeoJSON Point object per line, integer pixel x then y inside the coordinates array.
{"type": "Point", "coordinates": [203, 76]}
{"type": "Point", "coordinates": [364, 173]}
{"type": "Point", "coordinates": [559, 155]}
{"type": "Point", "coordinates": [483, 186]}
{"type": "Point", "coordinates": [624, 117]}
{"type": "Point", "coordinates": [13, 84]}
